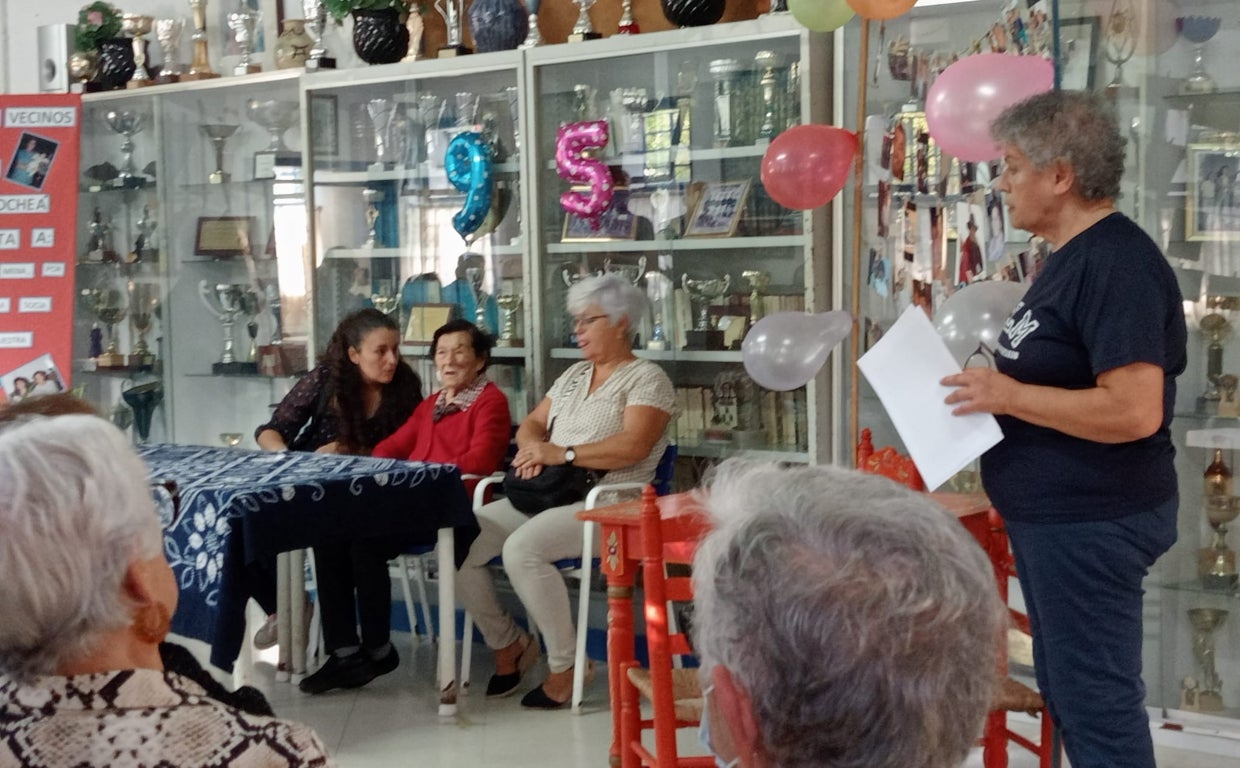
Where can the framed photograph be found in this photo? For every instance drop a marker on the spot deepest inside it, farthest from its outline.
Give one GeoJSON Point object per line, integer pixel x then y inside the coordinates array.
{"type": "Point", "coordinates": [1213, 208]}
{"type": "Point", "coordinates": [324, 126]}
{"type": "Point", "coordinates": [718, 210]}
{"type": "Point", "coordinates": [616, 223]}
{"type": "Point", "coordinates": [223, 236]}
{"type": "Point", "coordinates": [1078, 53]}
{"type": "Point", "coordinates": [32, 160]}
{"type": "Point", "coordinates": [425, 319]}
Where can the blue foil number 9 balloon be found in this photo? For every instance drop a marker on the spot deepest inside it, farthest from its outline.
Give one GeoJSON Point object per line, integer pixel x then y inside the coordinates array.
{"type": "Point", "coordinates": [471, 171]}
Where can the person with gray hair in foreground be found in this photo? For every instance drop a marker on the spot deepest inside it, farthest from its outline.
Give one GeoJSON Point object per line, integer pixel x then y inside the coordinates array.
{"type": "Point", "coordinates": [88, 597]}
{"type": "Point", "coordinates": [841, 620]}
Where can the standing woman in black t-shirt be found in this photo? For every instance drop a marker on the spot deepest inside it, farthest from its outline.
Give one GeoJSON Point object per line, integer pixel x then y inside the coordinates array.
{"type": "Point", "coordinates": [1084, 392]}
{"type": "Point", "coordinates": [359, 393]}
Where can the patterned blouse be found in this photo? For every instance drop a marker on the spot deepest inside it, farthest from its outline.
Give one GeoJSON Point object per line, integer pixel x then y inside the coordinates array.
{"type": "Point", "coordinates": [137, 718]}
{"type": "Point", "coordinates": [305, 421]}
{"type": "Point", "coordinates": [579, 416]}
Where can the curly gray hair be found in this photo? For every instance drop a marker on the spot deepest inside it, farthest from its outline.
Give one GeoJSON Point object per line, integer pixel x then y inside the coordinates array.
{"type": "Point", "coordinates": [76, 508]}
{"type": "Point", "coordinates": [612, 293]}
{"type": "Point", "coordinates": [861, 617]}
{"type": "Point", "coordinates": [1074, 126]}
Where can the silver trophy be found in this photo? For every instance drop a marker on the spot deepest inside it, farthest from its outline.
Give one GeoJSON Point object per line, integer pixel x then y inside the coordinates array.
{"type": "Point", "coordinates": [631, 272]}
{"type": "Point", "coordinates": [138, 26]}
{"type": "Point", "coordinates": [510, 336]}
{"type": "Point", "coordinates": [382, 113]}
{"type": "Point", "coordinates": [583, 29]}
{"type": "Point", "coordinates": [660, 291]}
{"type": "Point", "coordinates": [168, 32]}
{"type": "Point", "coordinates": [772, 94]}
{"type": "Point", "coordinates": [1198, 30]}
{"type": "Point", "coordinates": [473, 278]}
{"type": "Point", "coordinates": [1205, 694]}
{"type": "Point", "coordinates": [145, 225]}
{"type": "Point", "coordinates": [277, 117]}
{"type": "Point", "coordinates": [453, 13]}
{"type": "Point", "coordinates": [703, 293]}
{"type": "Point", "coordinates": [372, 197]}
{"type": "Point", "coordinates": [251, 307]}
{"type": "Point", "coordinates": [316, 22]}
{"type": "Point", "coordinates": [127, 123]}
{"type": "Point", "coordinates": [244, 24]}
{"type": "Point", "coordinates": [224, 302]}
{"type": "Point", "coordinates": [218, 134]}
{"type": "Point", "coordinates": [143, 308]}
{"type": "Point", "coordinates": [385, 299]}
{"type": "Point", "coordinates": [533, 38]}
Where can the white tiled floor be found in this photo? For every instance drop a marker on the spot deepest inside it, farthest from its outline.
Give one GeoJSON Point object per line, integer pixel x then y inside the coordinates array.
{"type": "Point", "coordinates": [393, 722]}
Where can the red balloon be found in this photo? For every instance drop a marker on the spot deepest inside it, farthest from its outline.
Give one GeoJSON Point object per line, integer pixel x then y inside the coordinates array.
{"type": "Point", "coordinates": [807, 165]}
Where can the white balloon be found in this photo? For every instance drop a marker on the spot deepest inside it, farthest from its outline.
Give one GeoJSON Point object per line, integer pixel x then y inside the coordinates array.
{"type": "Point", "coordinates": [975, 315]}
{"type": "Point", "coordinates": [785, 350]}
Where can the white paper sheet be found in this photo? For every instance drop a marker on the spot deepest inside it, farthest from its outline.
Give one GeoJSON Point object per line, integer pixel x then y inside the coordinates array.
{"type": "Point", "coordinates": [905, 368]}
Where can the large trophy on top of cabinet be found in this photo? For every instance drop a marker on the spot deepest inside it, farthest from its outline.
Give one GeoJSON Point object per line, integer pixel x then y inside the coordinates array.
{"type": "Point", "coordinates": [200, 66]}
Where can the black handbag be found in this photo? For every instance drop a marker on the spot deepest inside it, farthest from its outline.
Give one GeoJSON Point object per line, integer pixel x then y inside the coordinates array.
{"type": "Point", "coordinates": [555, 486]}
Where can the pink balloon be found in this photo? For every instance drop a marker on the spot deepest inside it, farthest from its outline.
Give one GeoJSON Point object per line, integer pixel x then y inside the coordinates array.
{"type": "Point", "coordinates": [807, 165]}
{"type": "Point", "coordinates": [970, 94]}
{"type": "Point", "coordinates": [571, 140]}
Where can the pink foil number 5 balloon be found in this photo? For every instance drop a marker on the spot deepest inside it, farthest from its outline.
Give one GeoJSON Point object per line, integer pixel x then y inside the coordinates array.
{"type": "Point", "coordinates": [571, 141]}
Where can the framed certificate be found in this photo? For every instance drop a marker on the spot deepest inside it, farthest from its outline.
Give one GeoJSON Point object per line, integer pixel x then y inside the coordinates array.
{"type": "Point", "coordinates": [425, 319]}
{"type": "Point", "coordinates": [718, 209]}
{"type": "Point", "coordinates": [223, 236]}
{"type": "Point", "coordinates": [616, 223]}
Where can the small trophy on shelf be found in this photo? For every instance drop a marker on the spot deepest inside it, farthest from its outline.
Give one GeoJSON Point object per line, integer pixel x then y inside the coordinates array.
{"type": "Point", "coordinates": [244, 23]}
{"type": "Point", "coordinates": [533, 38]}
{"type": "Point", "coordinates": [251, 307]}
{"type": "Point", "coordinates": [218, 134]}
{"type": "Point", "coordinates": [168, 33]}
{"type": "Point", "coordinates": [510, 336]}
{"type": "Point", "coordinates": [200, 67]}
{"type": "Point", "coordinates": [1204, 694]}
{"type": "Point", "coordinates": [772, 97]}
{"type": "Point", "coordinates": [143, 308]}
{"type": "Point", "coordinates": [1216, 564]}
{"type": "Point", "coordinates": [385, 299]}
{"type": "Point", "coordinates": [1119, 39]}
{"type": "Point", "coordinates": [383, 114]}
{"type": "Point", "coordinates": [138, 26]}
{"type": "Point", "coordinates": [703, 293]}
{"type": "Point", "coordinates": [584, 28]}
{"type": "Point", "coordinates": [143, 398]}
{"type": "Point", "coordinates": [277, 117]}
{"type": "Point", "coordinates": [99, 243]}
{"type": "Point", "coordinates": [1198, 30]}
{"type": "Point", "coordinates": [127, 123]}
{"type": "Point", "coordinates": [145, 226]}
{"type": "Point", "coordinates": [631, 272]}
{"type": "Point", "coordinates": [758, 281]}
{"type": "Point", "coordinates": [224, 302]}
{"type": "Point", "coordinates": [110, 302]}
{"type": "Point", "coordinates": [473, 278]}
{"type": "Point", "coordinates": [372, 197]}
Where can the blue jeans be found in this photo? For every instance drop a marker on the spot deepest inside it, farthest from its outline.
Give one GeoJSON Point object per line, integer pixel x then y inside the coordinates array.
{"type": "Point", "coordinates": [1082, 588]}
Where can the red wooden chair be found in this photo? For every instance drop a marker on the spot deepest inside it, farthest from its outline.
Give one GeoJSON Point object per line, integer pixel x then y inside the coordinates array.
{"type": "Point", "coordinates": [1012, 695]}
{"type": "Point", "coordinates": [675, 695]}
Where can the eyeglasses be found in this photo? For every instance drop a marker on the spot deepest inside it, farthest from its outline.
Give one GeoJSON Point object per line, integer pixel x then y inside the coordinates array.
{"type": "Point", "coordinates": [586, 322]}
{"type": "Point", "coordinates": [167, 496]}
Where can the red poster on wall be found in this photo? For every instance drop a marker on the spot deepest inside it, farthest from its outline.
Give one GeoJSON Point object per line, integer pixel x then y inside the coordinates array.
{"type": "Point", "coordinates": [38, 231]}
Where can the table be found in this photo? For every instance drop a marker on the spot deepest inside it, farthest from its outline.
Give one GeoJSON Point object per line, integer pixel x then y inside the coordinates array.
{"type": "Point", "coordinates": [622, 551]}
{"type": "Point", "coordinates": [241, 508]}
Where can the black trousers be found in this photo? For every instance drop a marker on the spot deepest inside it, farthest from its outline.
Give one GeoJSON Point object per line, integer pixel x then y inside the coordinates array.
{"type": "Point", "coordinates": [355, 568]}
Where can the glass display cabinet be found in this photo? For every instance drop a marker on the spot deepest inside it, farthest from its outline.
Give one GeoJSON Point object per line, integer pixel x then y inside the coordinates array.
{"type": "Point", "coordinates": [192, 295]}
{"type": "Point", "coordinates": [1163, 66]}
{"type": "Point", "coordinates": [689, 115]}
{"type": "Point", "coordinates": [391, 228]}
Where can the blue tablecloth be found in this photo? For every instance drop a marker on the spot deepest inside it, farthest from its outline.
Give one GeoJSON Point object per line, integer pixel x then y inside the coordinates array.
{"type": "Point", "coordinates": [240, 508]}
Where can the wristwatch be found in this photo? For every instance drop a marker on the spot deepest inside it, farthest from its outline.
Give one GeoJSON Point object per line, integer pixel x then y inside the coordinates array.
{"type": "Point", "coordinates": [569, 455]}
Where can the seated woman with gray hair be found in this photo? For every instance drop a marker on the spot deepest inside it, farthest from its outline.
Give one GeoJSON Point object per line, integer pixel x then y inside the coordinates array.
{"type": "Point", "coordinates": [88, 598]}
{"type": "Point", "coordinates": [609, 413]}
{"type": "Point", "coordinates": [842, 620]}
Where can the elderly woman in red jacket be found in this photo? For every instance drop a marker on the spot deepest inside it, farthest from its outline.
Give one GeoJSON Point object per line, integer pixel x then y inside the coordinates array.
{"type": "Point", "coordinates": [465, 423]}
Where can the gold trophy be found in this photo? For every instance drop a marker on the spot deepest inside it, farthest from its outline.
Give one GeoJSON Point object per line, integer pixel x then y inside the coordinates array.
{"type": "Point", "coordinates": [385, 298]}
{"type": "Point", "coordinates": [1204, 695]}
{"type": "Point", "coordinates": [143, 306]}
{"type": "Point", "coordinates": [758, 281]}
{"type": "Point", "coordinates": [200, 67]}
{"type": "Point", "coordinates": [110, 302]}
{"type": "Point", "coordinates": [218, 134]}
{"type": "Point", "coordinates": [510, 336]}
{"type": "Point", "coordinates": [138, 25]}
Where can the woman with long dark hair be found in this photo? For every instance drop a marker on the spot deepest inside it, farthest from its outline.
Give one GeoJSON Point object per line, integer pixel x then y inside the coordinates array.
{"type": "Point", "coordinates": [356, 396]}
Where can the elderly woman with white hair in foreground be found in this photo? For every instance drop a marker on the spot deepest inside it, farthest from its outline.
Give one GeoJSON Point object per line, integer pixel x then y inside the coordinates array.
{"type": "Point", "coordinates": [842, 620]}
{"type": "Point", "coordinates": [88, 597]}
